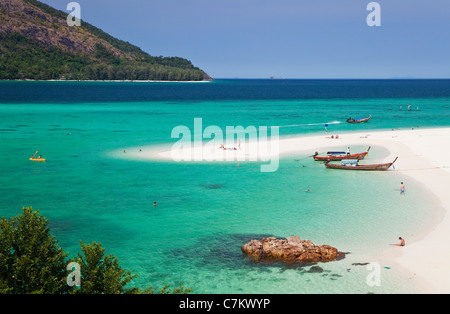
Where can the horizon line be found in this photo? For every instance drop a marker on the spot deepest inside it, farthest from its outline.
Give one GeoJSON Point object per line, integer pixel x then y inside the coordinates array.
{"type": "Point", "coordinates": [325, 78]}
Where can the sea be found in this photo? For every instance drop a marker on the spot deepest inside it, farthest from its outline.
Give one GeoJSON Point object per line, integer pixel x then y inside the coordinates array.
{"type": "Point", "coordinates": [207, 210]}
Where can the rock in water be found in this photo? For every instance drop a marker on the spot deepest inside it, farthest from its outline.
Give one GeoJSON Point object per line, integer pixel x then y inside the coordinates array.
{"type": "Point", "coordinates": [290, 250]}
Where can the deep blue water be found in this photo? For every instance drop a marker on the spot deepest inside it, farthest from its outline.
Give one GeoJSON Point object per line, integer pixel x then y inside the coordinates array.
{"type": "Point", "coordinates": [81, 92]}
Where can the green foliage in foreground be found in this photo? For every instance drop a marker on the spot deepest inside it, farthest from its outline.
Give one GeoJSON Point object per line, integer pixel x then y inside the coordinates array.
{"type": "Point", "coordinates": [31, 261]}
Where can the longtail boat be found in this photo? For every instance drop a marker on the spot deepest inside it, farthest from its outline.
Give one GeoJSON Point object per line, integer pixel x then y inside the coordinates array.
{"type": "Point", "coordinates": [358, 120]}
{"type": "Point", "coordinates": [353, 165]}
{"type": "Point", "coordinates": [338, 156]}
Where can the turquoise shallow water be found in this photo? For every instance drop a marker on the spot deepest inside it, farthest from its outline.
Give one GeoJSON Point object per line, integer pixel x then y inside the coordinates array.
{"type": "Point", "coordinates": [206, 211]}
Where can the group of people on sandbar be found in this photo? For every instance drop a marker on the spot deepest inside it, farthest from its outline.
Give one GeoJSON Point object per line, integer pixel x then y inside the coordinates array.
{"type": "Point", "coordinates": [231, 148]}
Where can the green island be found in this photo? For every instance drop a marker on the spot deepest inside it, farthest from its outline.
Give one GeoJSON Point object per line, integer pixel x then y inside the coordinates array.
{"type": "Point", "coordinates": [37, 44]}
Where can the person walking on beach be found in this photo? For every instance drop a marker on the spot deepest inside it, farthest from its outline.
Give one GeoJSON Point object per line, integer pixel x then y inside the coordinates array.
{"type": "Point", "coordinates": [348, 150]}
{"type": "Point", "coordinates": [402, 188]}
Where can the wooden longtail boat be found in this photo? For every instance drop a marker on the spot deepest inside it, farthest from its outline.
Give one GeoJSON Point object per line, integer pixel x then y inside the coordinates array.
{"type": "Point", "coordinates": [350, 120]}
{"type": "Point", "coordinates": [338, 156]}
{"type": "Point", "coordinates": [353, 165]}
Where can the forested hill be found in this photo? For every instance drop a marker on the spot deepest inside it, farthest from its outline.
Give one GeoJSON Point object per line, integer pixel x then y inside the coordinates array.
{"type": "Point", "coordinates": [36, 43]}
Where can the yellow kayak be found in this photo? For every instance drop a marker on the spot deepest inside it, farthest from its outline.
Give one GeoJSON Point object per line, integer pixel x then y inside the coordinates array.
{"type": "Point", "coordinates": [37, 159]}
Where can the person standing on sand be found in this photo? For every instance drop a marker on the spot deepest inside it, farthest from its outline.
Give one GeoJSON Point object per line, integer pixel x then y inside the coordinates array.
{"type": "Point", "coordinates": [402, 188]}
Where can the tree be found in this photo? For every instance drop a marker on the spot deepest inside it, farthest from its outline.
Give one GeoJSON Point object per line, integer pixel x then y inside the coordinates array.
{"type": "Point", "coordinates": [32, 262]}
{"type": "Point", "coordinates": [100, 273]}
{"type": "Point", "coordinates": [30, 259]}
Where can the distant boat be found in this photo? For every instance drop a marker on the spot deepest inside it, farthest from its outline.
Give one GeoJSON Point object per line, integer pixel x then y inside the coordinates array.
{"type": "Point", "coordinates": [338, 156]}
{"type": "Point", "coordinates": [358, 120]}
{"type": "Point", "coordinates": [353, 165]}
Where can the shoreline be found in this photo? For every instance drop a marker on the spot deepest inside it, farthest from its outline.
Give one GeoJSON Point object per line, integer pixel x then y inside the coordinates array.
{"type": "Point", "coordinates": [422, 158]}
{"type": "Point", "coordinates": [108, 81]}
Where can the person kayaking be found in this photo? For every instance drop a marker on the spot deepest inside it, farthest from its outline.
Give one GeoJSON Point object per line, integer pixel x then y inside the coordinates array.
{"type": "Point", "coordinates": [35, 158]}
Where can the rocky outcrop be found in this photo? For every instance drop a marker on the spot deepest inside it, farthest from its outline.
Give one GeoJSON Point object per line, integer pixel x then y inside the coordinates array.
{"type": "Point", "coordinates": [290, 250]}
{"type": "Point", "coordinates": [52, 31]}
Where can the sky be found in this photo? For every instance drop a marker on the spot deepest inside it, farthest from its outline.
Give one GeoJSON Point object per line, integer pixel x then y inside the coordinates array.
{"type": "Point", "coordinates": [284, 38]}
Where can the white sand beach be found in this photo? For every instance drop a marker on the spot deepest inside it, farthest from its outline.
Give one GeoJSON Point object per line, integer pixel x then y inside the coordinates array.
{"type": "Point", "coordinates": [423, 155]}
